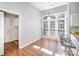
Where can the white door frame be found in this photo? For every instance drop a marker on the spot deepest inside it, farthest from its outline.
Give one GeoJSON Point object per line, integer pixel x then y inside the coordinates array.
{"type": "Point", "coordinates": [2, 29]}
{"type": "Point", "coordinates": [1, 33]}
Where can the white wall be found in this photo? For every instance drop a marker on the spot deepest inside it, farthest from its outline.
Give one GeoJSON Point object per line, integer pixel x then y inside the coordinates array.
{"type": "Point", "coordinates": [29, 20]}
{"type": "Point", "coordinates": [32, 24]}
{"type": "Point", "coordinates": [59, 9]}
{"type": "Point", "coordinates": [73, 7]}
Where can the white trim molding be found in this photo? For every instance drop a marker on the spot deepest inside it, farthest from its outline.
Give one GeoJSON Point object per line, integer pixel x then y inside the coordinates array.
{"type": "Point", "coordinates": [29, 43]}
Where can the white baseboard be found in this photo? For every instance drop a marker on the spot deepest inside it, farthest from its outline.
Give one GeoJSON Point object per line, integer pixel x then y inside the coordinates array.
{"type": "Point", "coordinates": [29, 43]}
{"type": "Point", "coordinates": [10, 40]}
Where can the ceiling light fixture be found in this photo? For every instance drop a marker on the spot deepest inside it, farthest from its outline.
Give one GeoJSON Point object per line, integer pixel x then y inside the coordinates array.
{"type": "Point", "coordinates": [49, 11]}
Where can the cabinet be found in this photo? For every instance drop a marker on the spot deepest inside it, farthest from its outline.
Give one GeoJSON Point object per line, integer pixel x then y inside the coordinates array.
{"type": "Point", "coordinates": [54, 24]}
{"type": "Point", "coordinates": [74, 20]}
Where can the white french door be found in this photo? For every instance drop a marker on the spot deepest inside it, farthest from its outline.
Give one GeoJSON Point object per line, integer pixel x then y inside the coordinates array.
{"type": "Point", "coordinates": [54, 24]}
{"type": "Point", "coordinates": [49, 26]}
{"type": "Point", "coordinates": [1, 33]}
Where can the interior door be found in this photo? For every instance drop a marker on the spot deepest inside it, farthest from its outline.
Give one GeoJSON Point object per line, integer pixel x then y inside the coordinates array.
{"type": "Point", "coordinates": [7, 28]}
{"type": "Point", "coordinates": [1, 33]}
{"type": "Point", "coordinates": [14, 28]}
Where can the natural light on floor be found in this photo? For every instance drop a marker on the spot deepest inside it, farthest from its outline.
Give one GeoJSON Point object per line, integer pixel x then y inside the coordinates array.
{"type": "Point", "coordinates": [43, 49]}
{"type": "Point", "coordinates": [46, 51]}
{"type": "Point", "coordinates": [37, 47]}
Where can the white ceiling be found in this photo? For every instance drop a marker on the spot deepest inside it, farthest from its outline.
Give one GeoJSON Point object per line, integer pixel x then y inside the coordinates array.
{"type": "Point", "coordinates": [47, 5]}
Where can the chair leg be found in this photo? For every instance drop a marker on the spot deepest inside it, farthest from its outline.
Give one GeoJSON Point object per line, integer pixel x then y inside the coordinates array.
{"type": "Point", "coordinates": [68, 51]}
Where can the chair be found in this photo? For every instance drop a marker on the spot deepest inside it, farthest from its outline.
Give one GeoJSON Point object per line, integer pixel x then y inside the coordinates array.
{"type": "Point", "coordinates": [67, 43]}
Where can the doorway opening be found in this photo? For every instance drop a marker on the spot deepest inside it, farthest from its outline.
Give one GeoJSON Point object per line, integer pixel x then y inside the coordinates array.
{"type": "Point", "coordinates": [11, 33]}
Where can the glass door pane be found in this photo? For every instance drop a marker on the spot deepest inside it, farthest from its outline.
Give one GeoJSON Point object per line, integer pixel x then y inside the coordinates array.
{"type": "Point", "coordinates": [45, 32]}
{"type": "Point", "coordinates": [52, 17]}
{"type": "Point", "coordinates": [45, 24]}
{"type": "Point", "coordinates": [52, 32]}
{"type": "Point", "coordinates": [61, 32]}
{"type": "Point", "coordinates": [52, 25]}
{"type": "Point", "coordinates": [45, 28]}
{"type": "Point", "coordinates": [61, 27]}
{"type": "Point", "coordinates": [52, 28]}
{"type": "Point", "coordinates": [61, 15]}
{"type": "Point", "coordinates": [61, 24]}
{"type": "Point", "coordinates": [45, 18]}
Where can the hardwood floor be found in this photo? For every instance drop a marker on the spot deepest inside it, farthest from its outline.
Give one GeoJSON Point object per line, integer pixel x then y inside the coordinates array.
{"type": "Point", "coordinates": [41, 47]}
{"type": "Point", "coordinates": [10, 48]}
